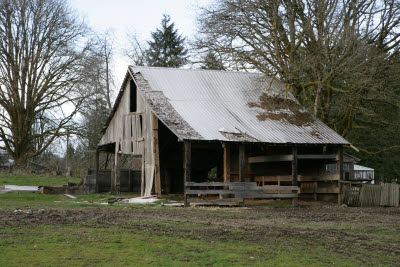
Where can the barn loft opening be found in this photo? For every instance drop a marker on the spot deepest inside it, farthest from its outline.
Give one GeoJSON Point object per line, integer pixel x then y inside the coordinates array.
{"type": "Point", "coordinates": [133, 97]}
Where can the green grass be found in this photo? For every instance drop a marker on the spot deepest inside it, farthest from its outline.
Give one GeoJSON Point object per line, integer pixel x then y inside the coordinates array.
{"type": "Point", "coordinates": [11, 200]}
{"type": "Point", "coordinates": [22, 179]}
{"type": "Point", "coordinates": [71, 234]}
{"type": "Point", "coordinates": [81, 246]}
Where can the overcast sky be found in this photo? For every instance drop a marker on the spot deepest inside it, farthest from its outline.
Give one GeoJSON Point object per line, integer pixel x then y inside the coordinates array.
{"type": "Point", "coordinates": [142, 17]}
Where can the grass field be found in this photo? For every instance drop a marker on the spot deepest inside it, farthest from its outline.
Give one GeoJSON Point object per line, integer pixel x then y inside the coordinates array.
{"type": "Point", "coordinates": [22, 179]}
{"type": "Point", "coordinates": [55, 231]}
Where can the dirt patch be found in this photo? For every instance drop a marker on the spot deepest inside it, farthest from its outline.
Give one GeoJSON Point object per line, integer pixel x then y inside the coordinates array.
{"type": "Point", "coordinates": [280, 108]}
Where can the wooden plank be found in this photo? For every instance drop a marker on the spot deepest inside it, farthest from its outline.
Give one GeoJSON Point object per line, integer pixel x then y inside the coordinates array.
{"type": "Point", "coordinates": [280, 188]}
{"type": "Point", "coordinates": [227, 163]}
{"type": "Point", "coordinates": [157, 176]}
{"type": "Point", "coordinates": [271, 196]}
{"type": "Point", "coordinates": [300, 178]}
{"type": "Point", "coordinates": [272, 158]}
{"type": "Point", "coordinates": [208, 192]}
{"type": "Point", "coordinates": [273, 178]}
{"type": "Point", "coordinates": [242, 194]}
{"type": "Point", "coordinates": [187, 158]}
{"type": "Point", "coordinates": [242, 163]}
{"type": "Point", "coordinates": [319, 178]}
{"type": "Point", "coordinates": [328, 190]}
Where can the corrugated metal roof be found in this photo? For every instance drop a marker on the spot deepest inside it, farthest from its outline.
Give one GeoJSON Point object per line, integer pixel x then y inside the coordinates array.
{"type": "Point", "coordinates": [218, 106]}
{"type": "Point", "coordinates": [362, 168]}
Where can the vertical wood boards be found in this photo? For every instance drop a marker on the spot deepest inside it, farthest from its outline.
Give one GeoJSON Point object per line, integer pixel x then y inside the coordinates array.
{"type": "Point", "coordinates": [242, 163]}
{"type": "Point", "coordinates": [187, 160]}
{"type": "Point", "coordinates": [389, 195]}
{"type": "Point", "coordinates": [157, 178]}
{"type": "Point", "coordinates": [371, 195]}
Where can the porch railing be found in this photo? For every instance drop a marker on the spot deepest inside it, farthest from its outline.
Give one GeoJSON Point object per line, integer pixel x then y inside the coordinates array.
{"type": "Point", "coordinates": [240, 190]}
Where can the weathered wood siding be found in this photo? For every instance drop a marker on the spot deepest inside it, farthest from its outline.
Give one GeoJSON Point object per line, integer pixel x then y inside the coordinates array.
{"type": "Point", "coordinates": [132, 133]}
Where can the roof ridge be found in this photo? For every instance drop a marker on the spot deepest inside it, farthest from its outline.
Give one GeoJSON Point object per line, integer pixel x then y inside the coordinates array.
{"type": "Point", "coordinates": [170, 68]}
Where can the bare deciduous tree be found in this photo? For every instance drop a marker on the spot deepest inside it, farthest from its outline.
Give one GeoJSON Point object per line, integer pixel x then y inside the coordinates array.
{"type": "Point", "coordinates": [326, 51]}
{"type": "Point", "coordinates": [105, 50]}
{"type": "Point", "coordinates": [137, 50]}
{"type": "Point", "coordinates": [41, 53]}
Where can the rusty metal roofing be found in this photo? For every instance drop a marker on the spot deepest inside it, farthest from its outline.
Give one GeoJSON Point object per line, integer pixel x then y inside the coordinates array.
{"type": "Point", "coordinates": [231, 106]}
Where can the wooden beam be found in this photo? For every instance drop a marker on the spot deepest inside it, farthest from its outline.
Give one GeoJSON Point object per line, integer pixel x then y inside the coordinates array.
{"type": "Point", "coordinates": [294, 172]}
{"type": "Point", "coordinates": [156, 154]}
{"type": "Point", "coordinates": [317, 156]}
{"type": "Point", "coordinates": [341, 175]}
{"type": "Point", "coordinates": [116, 170]}
{"type": "Point", "coordinates": [242, 163]}
{"type": "Point", "coordinates": [300, 178]}
{"type": "Point", "coordinates": [272, 158]}
{"type": "Point", "coordinates": [227, 163]}
{"type": "Point", "coordinates": [187, 158]}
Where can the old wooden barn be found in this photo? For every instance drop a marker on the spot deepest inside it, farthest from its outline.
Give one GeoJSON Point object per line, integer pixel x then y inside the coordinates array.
{"type": "Point", "coordinates": [203, 132]}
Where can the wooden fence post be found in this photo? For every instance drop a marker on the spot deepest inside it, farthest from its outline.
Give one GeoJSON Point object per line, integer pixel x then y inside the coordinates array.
{"type": "Point", "coordinates": [187, 158]}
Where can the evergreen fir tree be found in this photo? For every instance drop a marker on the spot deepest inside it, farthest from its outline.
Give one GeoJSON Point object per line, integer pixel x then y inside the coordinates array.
{"type": "Point", "coordinates": [167, 49]}
{"type": "Point", "coordinates": [211, 62]}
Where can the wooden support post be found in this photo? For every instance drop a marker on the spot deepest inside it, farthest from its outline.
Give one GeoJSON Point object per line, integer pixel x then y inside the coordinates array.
{"type": "Point", "coordinates": [157, 176]}
{"type": "Point", "coordinates": [112, 163]}
{"type": "Point", "coordinates": [227, 163]}
{"type": "Point", "coordinates": [242, 163]}
{"type": "Point", "coordinates": [187, 158]}
{"type": "Point", "coordinates": [294, 173]}
{"type": "Point", "coordinates": [117, 171]}
{"type": "Point", "coordinates": [340, 162]}
{"type": "Point", "coordinates": [97, 171]}
{"type": "Point", "coordinates": [142, 173]}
